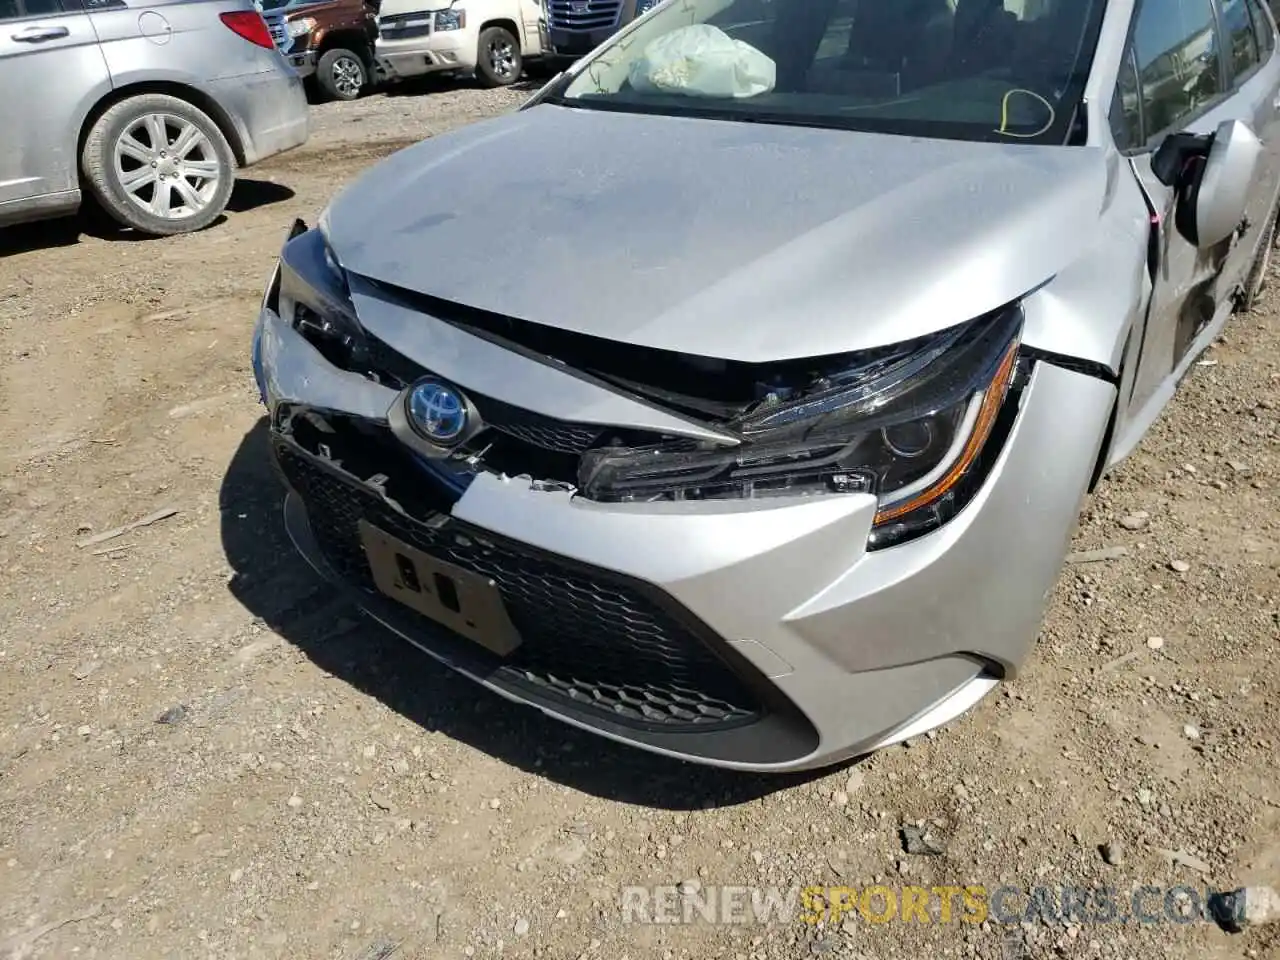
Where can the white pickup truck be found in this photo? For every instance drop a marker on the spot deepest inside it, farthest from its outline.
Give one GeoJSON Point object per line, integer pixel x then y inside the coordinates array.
{"type": "Point", "coordinates": [490, 39]}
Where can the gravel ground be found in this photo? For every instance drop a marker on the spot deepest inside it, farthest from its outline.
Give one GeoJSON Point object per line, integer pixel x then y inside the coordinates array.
{"type": "Point", "coordinates": [205, 753]}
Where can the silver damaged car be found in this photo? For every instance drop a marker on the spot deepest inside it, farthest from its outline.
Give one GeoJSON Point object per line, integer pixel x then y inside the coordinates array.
{"type": "Point", "coordinates": [736, 397]}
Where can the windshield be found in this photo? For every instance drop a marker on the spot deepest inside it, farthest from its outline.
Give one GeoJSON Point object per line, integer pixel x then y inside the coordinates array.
{"type": "Point", "coordinates": [965, 69]}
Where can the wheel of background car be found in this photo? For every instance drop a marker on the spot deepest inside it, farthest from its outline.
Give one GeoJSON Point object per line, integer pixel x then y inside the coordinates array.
{"type": "Point", "coordinates": [158, 164]}
{"type": "Point", "coordinates": [500, 61]}
{"type": "Point", "coordinates": [1256, 283]}
{"type": "Point", "coordinates": [341, 74]}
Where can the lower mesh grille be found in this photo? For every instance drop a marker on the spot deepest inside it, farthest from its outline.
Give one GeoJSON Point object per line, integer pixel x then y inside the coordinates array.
{"type": "Point", "coordinates": [591, 638]}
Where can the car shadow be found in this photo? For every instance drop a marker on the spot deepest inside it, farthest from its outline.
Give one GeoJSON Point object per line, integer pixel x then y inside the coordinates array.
{"type": "Point", "coordinates": [68, 231]}
{"type": "Point", "coordinates": [252, 194]}
{"type": "Point", "coordinates": [41, 235]}
{"type": "Point", "coordinates": [91, 221]}
{"type": "Point", "coordinates": [277, 586]}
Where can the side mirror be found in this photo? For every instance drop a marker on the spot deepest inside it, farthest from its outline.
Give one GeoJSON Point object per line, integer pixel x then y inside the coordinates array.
{"type": "Point", "coordinates": [1212, 175]}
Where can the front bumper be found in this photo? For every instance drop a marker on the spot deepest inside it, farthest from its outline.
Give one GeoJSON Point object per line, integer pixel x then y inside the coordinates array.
{"type": "Point", "coordinates": [831, 651]}
{"type": "Point", "coordinates": [304, 64]}
{"type": "Point", "coordinates": [447, 50]}
{"type": "Point", "coordinates": [576, 43]}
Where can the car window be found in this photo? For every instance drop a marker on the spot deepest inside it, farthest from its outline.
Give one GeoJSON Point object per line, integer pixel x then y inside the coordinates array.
{"type": "Point", "coordinates": [1242, 42]}
{"type": "Point", "coordinates": [8, 9]}
{"type": "Point", "coordinates": [1262, 28]}
{"type": "Point", "coordinates": [41, 8]}
{"type": "Point", "coordinates": [1176, 42]}
{"type": "Point", "coordinates": [1011, 71]}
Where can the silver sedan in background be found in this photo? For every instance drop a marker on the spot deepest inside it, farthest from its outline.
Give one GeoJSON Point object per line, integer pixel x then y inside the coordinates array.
{"type": "Point", "coordinates": [149, 106]}
{"type": "Point", "coordinates": [737, 397]}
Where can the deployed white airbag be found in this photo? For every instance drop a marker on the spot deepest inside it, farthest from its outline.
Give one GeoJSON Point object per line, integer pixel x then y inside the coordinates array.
{"type": "Point", "coordinates": [703, 61]}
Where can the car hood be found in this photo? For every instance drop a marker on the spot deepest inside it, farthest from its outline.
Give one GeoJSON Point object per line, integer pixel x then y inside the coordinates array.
{"type": "Point", "coordinates": [742, 241]}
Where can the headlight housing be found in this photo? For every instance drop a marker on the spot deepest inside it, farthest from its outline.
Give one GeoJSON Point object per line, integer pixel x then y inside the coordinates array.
{"type": "Point", "coordinates": [314, 298]}
{"type": "Point", "coordinates": [906, 425]}
{"type": "Point", "coordinates": [300, 27]}
{"type": "Point", "coordinates": [455, 18]}
{"type": "Point", "coordinates": [644, 6]}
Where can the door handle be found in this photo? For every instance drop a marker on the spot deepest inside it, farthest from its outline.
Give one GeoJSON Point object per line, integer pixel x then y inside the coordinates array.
{"type": "Point", "coordinates": [40, 34]}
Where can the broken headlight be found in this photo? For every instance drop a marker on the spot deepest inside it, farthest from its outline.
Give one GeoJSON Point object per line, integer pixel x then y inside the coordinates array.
{"type": "Point", "coordinates": [314, 297]}
{"type": "Point", "coordinates": [905, 425]}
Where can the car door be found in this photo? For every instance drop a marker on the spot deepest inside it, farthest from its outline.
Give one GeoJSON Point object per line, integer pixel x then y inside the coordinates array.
{"type": "Point", "coordinates": [51, 71]}
{"type": "Point", "coordinates": [1178, 75]}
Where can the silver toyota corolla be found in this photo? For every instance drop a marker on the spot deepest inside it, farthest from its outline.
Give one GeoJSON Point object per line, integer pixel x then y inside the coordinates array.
{"type": "Point", "coordinates": [736, 398]}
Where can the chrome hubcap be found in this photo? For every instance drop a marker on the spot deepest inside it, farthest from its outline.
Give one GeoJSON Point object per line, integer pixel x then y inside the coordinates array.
{"type": "Point", "coordinates": [348, 76]}
{"type": "Point", "coordinates": [167, 166]}
{"type": "Point", "coordinates": [502, 58]}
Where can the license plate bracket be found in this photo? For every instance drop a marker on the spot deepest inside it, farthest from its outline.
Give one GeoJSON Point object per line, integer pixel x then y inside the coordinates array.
{"type": "Point", "coordinates": [468, 603]}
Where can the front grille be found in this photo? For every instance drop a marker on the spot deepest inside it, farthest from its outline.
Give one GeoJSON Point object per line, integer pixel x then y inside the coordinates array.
{"type": "Point", "coordinates": [583, 14]}
{"type": "Point", "coordinates": [600, 641]}
{"type": "Point", "coordinates": [404, 26]}
{"type": "Point", "coordinates": [279, 33]}
{"type": "Point", "coordinates": [537, 430]}
{"type": "Point", "coordinates": [548, 433]}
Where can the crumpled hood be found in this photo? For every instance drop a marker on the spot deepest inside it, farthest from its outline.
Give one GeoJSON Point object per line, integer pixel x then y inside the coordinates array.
{"type": "Point", "coordinates": [736, 240]}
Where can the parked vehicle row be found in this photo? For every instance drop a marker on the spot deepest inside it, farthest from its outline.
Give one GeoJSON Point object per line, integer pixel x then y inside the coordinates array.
{"type": "Point", "coordinates": [342, 47]}
{"type": "Point", "coordinates": [149, 106]}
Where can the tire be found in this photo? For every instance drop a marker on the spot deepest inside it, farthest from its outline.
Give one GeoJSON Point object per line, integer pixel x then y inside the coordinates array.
{"type": "Point", "coordinates": [499, 59]}
{"type": "Point", "coordinates": [182, 193]}
{"type": "Point", "coordinates": [1256, 284]}
{"type": "Point", "coordinates": [342, 74]}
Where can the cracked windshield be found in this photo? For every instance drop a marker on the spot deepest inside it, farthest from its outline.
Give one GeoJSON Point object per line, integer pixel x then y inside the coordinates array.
{"type": "Point", "coordinates": [967, 69]}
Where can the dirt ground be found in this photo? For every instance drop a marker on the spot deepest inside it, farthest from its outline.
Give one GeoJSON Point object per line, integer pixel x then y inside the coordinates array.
{"type": "Point", "coordinates": [205, 753]}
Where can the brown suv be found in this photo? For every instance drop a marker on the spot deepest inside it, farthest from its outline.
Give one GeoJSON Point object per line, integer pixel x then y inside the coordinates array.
{"type": "Point", "coordinates": [330, 43]}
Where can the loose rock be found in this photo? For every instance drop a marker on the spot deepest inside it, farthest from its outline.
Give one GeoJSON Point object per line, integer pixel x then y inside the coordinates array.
{"type": "Point", "coordinates": [1113, 853]}
{"type": "Point", "coordinates": [1135, 521]}
{"type": "Point", "coordinates": [175, 714]}
{"type": "Point", "coordinates": [916, 841]}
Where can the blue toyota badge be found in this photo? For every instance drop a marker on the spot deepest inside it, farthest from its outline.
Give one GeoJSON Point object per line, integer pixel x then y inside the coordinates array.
{"type": "Point", "coordinates": [437, 412]}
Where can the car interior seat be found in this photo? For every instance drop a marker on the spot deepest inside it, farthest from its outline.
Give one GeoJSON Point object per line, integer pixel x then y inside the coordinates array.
{"type": "Point", "coordinates": [893, 46]}
{"type": "Point", "coordinates": [984, 37]}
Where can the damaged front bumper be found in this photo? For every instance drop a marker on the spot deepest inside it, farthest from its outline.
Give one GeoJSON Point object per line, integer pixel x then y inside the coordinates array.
{"type": "Point", "coordinates": [754, 634]}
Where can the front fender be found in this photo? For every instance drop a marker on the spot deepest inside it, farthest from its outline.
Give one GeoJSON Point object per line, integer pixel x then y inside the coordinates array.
{"type": "Point", "coordinates": [1087, 311]}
